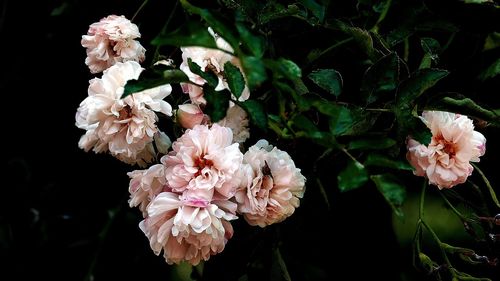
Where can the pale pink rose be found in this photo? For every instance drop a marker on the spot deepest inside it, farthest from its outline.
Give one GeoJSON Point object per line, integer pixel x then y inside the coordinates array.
{"type": "Point", "coordinates": [271, 185]}
{"type": "Point", "coordinates": [124, 127]}
{"type": "Point", "coordinates": [111, 40]}
{"type": "Point", "coordinates": [187, 233]}
{"type": "Point", "coordinates": [145, 185]}
{"type": "Point", "coordinates": [237, 120]}
{"type": "Point", "coordinates": [189, 115]}
{"type": "Point", "coordinates": [454, 143]}
{"type": "Point", "coordinates": [209, 60]}
{"type": "Point", "coordinates": [204, 165]}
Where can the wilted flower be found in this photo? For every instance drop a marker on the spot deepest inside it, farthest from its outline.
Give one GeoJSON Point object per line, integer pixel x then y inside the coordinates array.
{"type": "Point", "coordinates": [454, 143]}
{"type": "Point", "coordinates": [271, 185]}
{"type": "Point", "coordinates": [111, 40]}
{"type": "Point", "coordinates": [126, 126]}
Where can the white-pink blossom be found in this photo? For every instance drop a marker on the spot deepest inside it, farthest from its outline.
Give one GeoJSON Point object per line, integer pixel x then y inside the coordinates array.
{"type": "Point", "coordinates": [124, 127]}
{"type": "Point", "coordinates": [209, 60]}
{"type": "Point", "coordinates": [189, 115]}
{"type": "Point", "coordinates": [203, 161]}
{"type": "Point", "coordinates": [112, 40]}
{"type": "Point", "coordinates": [185, 232]}
{"type": "Point", "coordinates": [145, 185]}
{"type": "Point", "coordinates": [271, 185]}
{"type": "Point", "coordinates": [454, 144]}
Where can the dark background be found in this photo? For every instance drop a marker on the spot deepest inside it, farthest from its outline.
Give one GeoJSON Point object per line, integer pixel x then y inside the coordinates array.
{"type": "Point", "coordinates": [64, 212]}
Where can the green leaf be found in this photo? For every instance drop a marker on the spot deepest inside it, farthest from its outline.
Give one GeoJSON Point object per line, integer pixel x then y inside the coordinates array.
{"type": "Point", "coordinates": [341, 122]}
{"type": "Point", "coordinates": [317, 9]}
{"type": "Point", "coordinates": [150, 79]}
{"type": "Point", "coordinates": [217, 103]}
{"type": "Point", "coordinates": [492, 71]}
{"type": "Point", "coordinates": [216, 22]}
{"type": "Point", "coordinates": [394, 193]}
{"type": "Point", "coordinates": [353, 176]}
{"type": "Point", "coordinates": [327, 79]}
{"type": "Point", "coordinates": [274, 10]}
{"type": "Point", "coordinates": [417, 84]}
{"type": "Point", "coordinates": [371, 143]}
{"type": "Point", "coordinates": [284, 68]}
{"type": "Point", "coordinates": [431, 46]}
{"type": "Point", "coordinates": [378, 160]}
{"type": "Point", "coordinates": [255, 44]}
{"type": "Point", "coordinates": [193, 33]}
{"type": "Point", "coordinates": [478, 1]}
{"type": "Point", "coordinates": [209, 76]}
{"type": "Point", "coordinates": [362, 121]}
{"type": "Point", "coordinates": [325, 139]}
{"type": "Point", "coordinates": [258, 115]}
{"type": "Point", "coordinates": [380, 78]}
{"type": "Point", "coordinates": [365, 42]}
{"type": "Point", "coordinates": [303, 123]}
{"type": "Point", "coordinates": [492, 41]}
{"type": "Point", "coordinates": [255, 71]}
{"type": "Point", "coordinates": [234, 79]}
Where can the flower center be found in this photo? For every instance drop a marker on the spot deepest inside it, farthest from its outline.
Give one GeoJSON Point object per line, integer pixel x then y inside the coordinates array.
{"type": "Point", "coordinates": [447, 147]}
{"type": "Point", "coordinates": [125, 113]}
{"type": "Point", "coordinates": [201, 162]}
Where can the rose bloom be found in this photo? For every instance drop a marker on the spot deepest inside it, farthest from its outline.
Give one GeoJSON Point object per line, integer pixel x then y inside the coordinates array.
{"type": "Point", "coordinates": [124, 127]}
{"type": "Point", "coordinates": [271, 185]}
{"type": "Point", "coordinates": [209, 60]}
{"type": "Point", "coordinates": [111, 40]}
{"type": "Point", "coordinates": [189, 115]}
{"type": "Point", "coordinates": [454, 143]}
{"type": "Point", "coordinates": [185, 200]}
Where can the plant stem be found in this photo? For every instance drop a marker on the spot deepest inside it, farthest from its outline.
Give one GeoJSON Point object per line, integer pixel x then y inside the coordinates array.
{"type": "Point", "coordinates": [422, 200]}
{"type": "Point", "coordinates": [327, 50]}
{"type": "Point", "coordinates": [139, 10]}
{"type": "Point", "coordinates": [488, 184]}
{"type": "Point", "coordinates": [438, 241]}
{"type": "Point", "coordinates": [452, 207]}
{"type": "Point", "coordinates": [382, 16]}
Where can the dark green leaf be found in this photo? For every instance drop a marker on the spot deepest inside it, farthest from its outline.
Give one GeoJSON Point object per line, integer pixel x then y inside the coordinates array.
{"type": "Point", "coordinates": [380, 78]}
{"type": "Point", "coordinates": [284, 68]}
{"type": "Point", "coordinates": [341, 122]}
{"type": "Point", "coordinates": [327, 79]}
{"type": "Point", "coordinates": [353, 176]}
{"type": "Point", "coordinates": [303, 123]}
{"type": "Point", "coordinates": [365, 42]}
{"type": "Point", "coordinates": [255, 44]}
{"type": "Point", "coordinates": [255, 71]}
{"type": "Point", "coordinates": [234, 79]}
{"type": "Point", "coordinates": [216, 22]}
{"type": "Point", "coordinates": [393, 191]}
{"type": "Point", "coordinates": [150, 79]}
{"type": "Point", "coordinates": [492, 71]}
{"type": "Point", "coordinates": [209, 76]}
{"type": "Point", "coordinates": [431, 46]}
{"type": "Point", "coordinates": [274, 10]}
{"type": "Point", "coordinates": [492, 41]}
{"type": "Point", "coordinates": [478, 1]}
{"type": "Point", "coordinates": [362, 121]}
{"type": "Point", "coordinates": [379, 160]}
{"type": "Point", "coordinates": [191, 34]}
{"type": "Point", "coordinates": [417, 84]}
{"type": "Point", "coordinates": [317, 9]}
{"type": "Point", "coordinates": [371, 143]}
{"type": "Point", "coordinates": [217, 103]}
{"type": "Point", "coordinates": [258, 115]}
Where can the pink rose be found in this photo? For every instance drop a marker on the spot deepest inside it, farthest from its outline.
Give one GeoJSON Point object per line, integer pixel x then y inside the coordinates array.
{"type": "Point", "coordinates": [454, 143]}
{"type": "Point", "coordinates": [271, 185]}
{"type": "Point", "coordinates": [111, 40]}
{"type": "Point", "coordinates": [189, 115]}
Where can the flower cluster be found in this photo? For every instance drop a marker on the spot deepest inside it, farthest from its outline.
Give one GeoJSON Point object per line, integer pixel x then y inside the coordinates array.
{"type": "Point", "coordinates": [202, 180]}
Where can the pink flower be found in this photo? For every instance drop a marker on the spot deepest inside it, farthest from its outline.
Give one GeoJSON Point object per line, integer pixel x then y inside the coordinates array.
{"type": "Point", "coordinates": [145, 185]}
{"type": "Point", "coordinates": [111, 40]}
{"type": "Point", "coordinates": [454, 143]}
{"type": "Point", "coordinates": [189, 115]}
{"type": "Point", "coordinates": [204, 164]}
{"type": "Point", "coordinates": [209, 60]}
{"type": "Point", "coordinates": [237, 120]}
{"type": "Point", "coordinates": [271, 185]}
{"type": "Point", "coordinates": [125, 127]}
{"type": "Point", "coordinates": [187, 233]}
